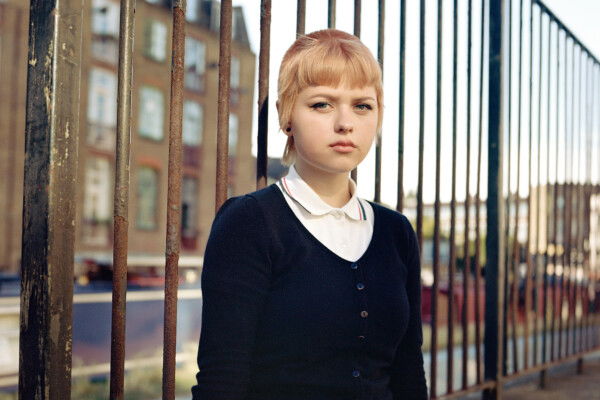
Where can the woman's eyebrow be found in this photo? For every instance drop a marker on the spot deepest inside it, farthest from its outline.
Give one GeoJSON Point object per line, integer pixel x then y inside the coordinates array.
{"type": "Point", "coordinates": [334, 98]}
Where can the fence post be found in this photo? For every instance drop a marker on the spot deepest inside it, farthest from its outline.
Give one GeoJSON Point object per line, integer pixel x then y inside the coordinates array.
{"type": "Point", "coordinates": [51, 135]}
{"type": "Point", "coordinates": [494, 273]}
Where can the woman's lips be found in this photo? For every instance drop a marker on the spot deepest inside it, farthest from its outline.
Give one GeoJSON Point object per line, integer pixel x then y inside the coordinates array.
{"type": "Point", "coordinates": [343, 147]}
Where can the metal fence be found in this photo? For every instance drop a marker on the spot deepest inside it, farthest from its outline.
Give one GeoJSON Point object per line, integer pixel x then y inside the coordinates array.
{"type": "Point", "coordinates": [532, 95]}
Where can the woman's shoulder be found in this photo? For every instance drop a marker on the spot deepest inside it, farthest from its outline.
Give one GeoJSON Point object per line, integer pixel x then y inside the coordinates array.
{"type": "Point", "coordinates": [391, 217]}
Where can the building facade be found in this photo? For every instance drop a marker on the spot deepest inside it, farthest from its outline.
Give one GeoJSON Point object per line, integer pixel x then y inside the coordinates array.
{"type": "Point", "coordinates": [149, 126]}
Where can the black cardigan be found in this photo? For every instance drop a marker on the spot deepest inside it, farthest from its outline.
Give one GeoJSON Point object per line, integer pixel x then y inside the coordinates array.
{"type": "Point", "coordinates": [285, 318]}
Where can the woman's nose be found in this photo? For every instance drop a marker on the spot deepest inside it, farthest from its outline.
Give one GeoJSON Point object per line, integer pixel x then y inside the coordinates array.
{"type": "Point", "coordinates": [343, 123]}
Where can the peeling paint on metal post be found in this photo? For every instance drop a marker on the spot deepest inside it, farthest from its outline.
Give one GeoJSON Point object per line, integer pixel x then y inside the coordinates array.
{"type": "Point", "coordinates": [51, 136]}
{"type": "Point", "coordinates": [121, 204]}
{"type": "Point", "coordinates": [175, 173]}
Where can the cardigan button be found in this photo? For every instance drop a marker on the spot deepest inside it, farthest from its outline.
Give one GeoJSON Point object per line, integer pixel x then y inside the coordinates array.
{"type": "Point", "coordinates": [364, 314]}
{"type": "Point", "coordinates": [354, 265]}
{"type": "Point", "coordinates": [360, 286]}
{"type": "Point", "coordinates": [361, 338]}
{"type": "Point", "coordinates": [356, 373]}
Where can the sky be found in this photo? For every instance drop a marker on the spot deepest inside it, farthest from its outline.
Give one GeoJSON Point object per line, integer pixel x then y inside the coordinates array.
{"type": "Point", "coordinates": [579, 15]}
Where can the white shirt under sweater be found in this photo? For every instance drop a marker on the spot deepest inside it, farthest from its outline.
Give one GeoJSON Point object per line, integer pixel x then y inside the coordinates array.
{"type": "Point", "coordinates": [346, 231]}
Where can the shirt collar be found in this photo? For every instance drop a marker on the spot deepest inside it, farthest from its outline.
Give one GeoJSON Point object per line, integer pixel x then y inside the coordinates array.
{"type": "Point", "coordinates": [297, 189]}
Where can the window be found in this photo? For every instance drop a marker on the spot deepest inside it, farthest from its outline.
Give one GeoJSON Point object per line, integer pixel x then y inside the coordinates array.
{"type": "Point", "coordinates": [189, 212]}
{"type": "Point", "coordinates": [191, 10]}
{"type": "Point", "coordinates": [192, 123]}
{"type": "Point", "coordinates": [155, 41]}
{"type": "Point", "coordinates": [234, 76]}
{"type": "Point", "coordinates": [233, 134]}
{"type": "Point", "coordinates": [147, 198]}
{"type": "Point", "coordinates": [195, 64]}
{"type": "Point", "coordinates": [105, 17]}
{"type": "Point", "coordinates": [102, 97]}
{"type": "Point", "coordinates": [97, 205]}
{"type": "Point", "coordinates": [102, 109]}
{"type": "Point", "coordinates": [151, 114]}
{"type": "Point", "coordinates": [235, 73]}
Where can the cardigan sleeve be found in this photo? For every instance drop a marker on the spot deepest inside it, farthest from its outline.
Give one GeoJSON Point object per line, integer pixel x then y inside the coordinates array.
{"type": "Point", "coordinates": [235, 281]}
{"type": "Point", "coordinates": [407, 374]}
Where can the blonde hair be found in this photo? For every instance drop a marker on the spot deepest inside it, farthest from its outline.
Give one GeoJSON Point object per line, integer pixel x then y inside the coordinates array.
{"type": "Point", "coordinates": [324, 58]}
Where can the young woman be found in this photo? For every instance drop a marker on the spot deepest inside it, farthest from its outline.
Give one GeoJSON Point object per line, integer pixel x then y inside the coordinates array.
{"type": "Point", "coordinates": [310, 293]}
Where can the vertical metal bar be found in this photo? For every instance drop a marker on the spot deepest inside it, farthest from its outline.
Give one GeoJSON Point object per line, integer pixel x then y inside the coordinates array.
{"type": "Point", "coordinates": [121, 199]}
{"type": "Point", "coordinates": [561, 300]}
{"type": "Point", "coordinates": [507, 260]}
{"type": "Point", "coordinates": [51, 138]}
{"type": "Point", "coordinates": [401, 95]}
{"type": "Point", "coordinates": [452, 255]}
{"type": "Point", "coordinates": [516, 258]}
{"type": "Point", "coordinates": [547, 254]}
{"type": "Point", "coordinates": [331, 10]}
{"type": "Point", "coordinates": [478, 201]}
{"type": "Point", "coordinates": [357, 15]}
{"type": "Point", "coordinates": [380, 53]}
{"type": "Point", "coordinates": [580, 216]}
{"type": "Point", "coordinates": [538, 230]}
{"type": "Point", "coordinates": [223, 104]}
{"type": "Point", "coordinates": [569, 202]}
{"type": "Point", "coordinates": [173, 237]}
{"type": "Point", "coordinates": [559, 286]}
{"type": "Point", "coordinates": [301, 17]}
{"type": "Point", "coordinates": [263, 93]}
{"type": "Point", "coordinates": [529, 198]}
{"type": "Point", "coordinates": [466, 250]}
{"type": "Point", "coordinates": [555, 257]}
{"type": "Point", "coordinates": [421, 130]}
{"type": "Point", "coordinates": [436, 217]}
{"type": "Point", "coordinates": [357, 21]}
{"type": "Point", "coordinates": [494, 280]}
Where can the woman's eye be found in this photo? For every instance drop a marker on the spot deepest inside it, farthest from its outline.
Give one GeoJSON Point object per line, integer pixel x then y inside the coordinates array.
{"type": "Point", "coordinates": [364, 107]}
{"type": "Point", "coordinates": [319, 106]}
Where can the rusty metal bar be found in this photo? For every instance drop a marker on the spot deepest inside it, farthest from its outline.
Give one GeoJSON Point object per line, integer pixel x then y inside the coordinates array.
{"type": "Point", "coordinates": [263, 94]}
{"type": "Point", "coordinates": [421, 130]}
{"type": "Point", "coordinates": [331, 10]}
{"type": "Point", "coordinates": [401, 105]}
{"type": "Point", "coordinates": [121, 199]}
{"type": "Point", "coordinates": [478, 202]}
{"type": "Point", "coordinates": [436, 217]}
{"type": "Point", "coordinates": [300, 17]}
{"type": "Point", "coordinates": [466, 250]}
{"type": "Point", "coordinates": [494, 279]}
{"type": "Point", "coordinates": [452, 260]}
{"type": "Point", "coordinates": [173, 236]}
{"type": "Point", "coordinates": [223, 104]}
{"type": "Point", "coordinates": [380, 53]}
{"type": "Point", "coordinates": [51, 149]}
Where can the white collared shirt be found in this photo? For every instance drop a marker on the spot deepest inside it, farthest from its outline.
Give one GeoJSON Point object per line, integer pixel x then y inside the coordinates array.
{"type": "Point", "coordinates": [346, 231]}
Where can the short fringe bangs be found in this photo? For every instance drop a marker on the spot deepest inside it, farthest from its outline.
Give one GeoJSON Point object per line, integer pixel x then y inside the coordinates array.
{"type": "Point", "coordinates": [323, 67]}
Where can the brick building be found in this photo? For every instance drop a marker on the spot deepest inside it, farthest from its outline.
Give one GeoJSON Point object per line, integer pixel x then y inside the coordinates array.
{"type": "Point", "coordinates": [149, 125]}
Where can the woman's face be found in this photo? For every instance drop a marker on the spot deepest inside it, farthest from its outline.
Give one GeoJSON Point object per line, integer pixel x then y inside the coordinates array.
{"type": "Point", "coordinates": [333, 127]}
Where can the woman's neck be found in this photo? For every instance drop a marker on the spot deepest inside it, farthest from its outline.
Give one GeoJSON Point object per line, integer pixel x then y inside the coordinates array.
{"type": "Point", "coordinates": [332, 188]}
